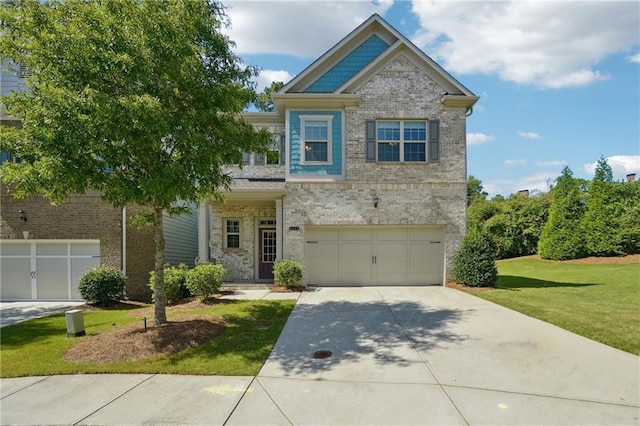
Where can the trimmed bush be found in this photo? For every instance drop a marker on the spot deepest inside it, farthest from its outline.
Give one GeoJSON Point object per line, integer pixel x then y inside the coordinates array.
{"type": "Point", "coordinates": [103, 285]}
{"type": "Point", "coordinates": [475, 262]}
{"type": "Point", "coordinates": [288, 272]}
{"type": "Point", "coordinates": [175, 283]}
{"type": "Point", "coordinates": [205, 280]}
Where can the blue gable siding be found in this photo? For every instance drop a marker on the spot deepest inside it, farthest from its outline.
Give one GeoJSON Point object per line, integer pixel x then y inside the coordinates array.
{"type": "Point", "coordinates": [359, 58]}
{"type": "Point", "coordinates": [295, 166]}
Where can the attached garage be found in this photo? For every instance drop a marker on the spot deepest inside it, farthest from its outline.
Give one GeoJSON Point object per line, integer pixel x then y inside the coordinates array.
{"type": "Point", "coordinates": [374, 255]}
{"type": "Point", "coordinates": [45, 269]}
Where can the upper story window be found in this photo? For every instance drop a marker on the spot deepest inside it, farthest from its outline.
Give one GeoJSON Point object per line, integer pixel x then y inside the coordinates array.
{"type": "Point", "coordinates": [316, 139]}
{"type": "Point", "coordinates": [401, 141]}
{"type": "Point", "coordinates": [275, 153]}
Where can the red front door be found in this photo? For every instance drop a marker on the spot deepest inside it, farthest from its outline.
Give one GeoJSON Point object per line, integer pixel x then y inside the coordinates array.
{"type": "Point", "coordinates": [267, 253]}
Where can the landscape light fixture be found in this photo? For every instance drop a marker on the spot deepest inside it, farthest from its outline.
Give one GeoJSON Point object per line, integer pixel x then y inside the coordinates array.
{"type": "Point", "coordinates": [22, 215]}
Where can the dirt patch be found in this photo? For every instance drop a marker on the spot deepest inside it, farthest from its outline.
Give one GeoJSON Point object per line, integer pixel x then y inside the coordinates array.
{"type": "Point", "coordinates": [468, 289]}
{"type": "Point", "coordinates": [283, 289]}
{"type": "Point", "coordinates": [190, 304]}
{"type": "Point", "coordinates": [132, 343]}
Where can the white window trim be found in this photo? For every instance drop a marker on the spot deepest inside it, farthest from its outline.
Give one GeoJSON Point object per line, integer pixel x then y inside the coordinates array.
{"type": "Point", "coordinates": [329, 120]}
{"type": "Point", "coordinates": [401, 142]}
{"type": "Point", "coordinates": [225, 233]}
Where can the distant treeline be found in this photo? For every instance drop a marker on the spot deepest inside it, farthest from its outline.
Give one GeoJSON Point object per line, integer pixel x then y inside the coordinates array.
{"type": "Point", "coordinates": [576, 218]}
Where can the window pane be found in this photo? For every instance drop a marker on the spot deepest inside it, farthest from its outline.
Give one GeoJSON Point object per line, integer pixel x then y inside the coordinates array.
{"type": "Point", "coordinates": [315, 151]}
{"type": "Point", "coordinates": [388, 130]}
{"type": "Point", "coordinates": [415, 131]}
{"type": "Point", "coordinates": [414, 152]}
{"type": "Point", "coordinates": [233, 241]}
{"type": "Point", "coordinates": [233, 226]}
{"type": "Point", "coordinates": [245, 157]}
{"type": "Point", "coordinates": [388, 152]}
{"type": "Point", "coordinates": [315, 130]}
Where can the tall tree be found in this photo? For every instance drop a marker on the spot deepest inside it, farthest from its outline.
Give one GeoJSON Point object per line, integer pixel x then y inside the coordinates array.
{"type": "Point", "coordinates": [474, 189]}
{"type": "Point", "coordinates": [602, 221]}
{"type": "Point", "coordinates": [138, 99]}
{"type": "Point", "coordinates": [263, 101]}
{"type": "Point", "coordinates": [561, 238]}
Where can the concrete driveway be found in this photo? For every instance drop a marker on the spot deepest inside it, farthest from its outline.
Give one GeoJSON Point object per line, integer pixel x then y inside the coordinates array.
{"type": "Point", "coordinates": [16, 312]}
{"type": "Point", "coordinates": [400, 356]}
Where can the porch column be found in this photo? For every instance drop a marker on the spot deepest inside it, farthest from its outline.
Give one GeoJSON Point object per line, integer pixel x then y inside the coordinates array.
{"type": "Point", "coordinates": [203, 232]}
{"type": "Point", "coordinates": [279, 229]}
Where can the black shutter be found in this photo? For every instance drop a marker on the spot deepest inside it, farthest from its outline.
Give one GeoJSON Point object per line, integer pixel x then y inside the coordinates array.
{"type": "Point", "coordinates": [370, 133]}
{"type": "Point", "coordinates": [283, 150]}
{"type": "Point", "coordinates": [434, 140]}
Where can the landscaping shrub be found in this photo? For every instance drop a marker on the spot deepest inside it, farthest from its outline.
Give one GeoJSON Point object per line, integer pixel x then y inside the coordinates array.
{"type": "Point", "coordinates": [205, 280]}
{"type": "Point", "coordinates": [475, 262]}
{"type": "Point", "coordinates": [175, 283]}
{"type": "Point", "coordinates": [103, 285]}
{"type": "Point", "coordinates": [288, 272]}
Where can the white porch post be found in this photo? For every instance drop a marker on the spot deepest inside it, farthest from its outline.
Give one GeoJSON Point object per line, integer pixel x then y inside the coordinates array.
{"type": "Point", "coordinates": [279, 229]}
{"type": "Point", "coordinates": [203, 232]}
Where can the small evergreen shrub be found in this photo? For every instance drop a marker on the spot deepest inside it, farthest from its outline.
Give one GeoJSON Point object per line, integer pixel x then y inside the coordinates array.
{"type": "Point", "coordinates": [475, 262]}
{"type": "Point", "coordinates": [205, 280]}
{"type": "Point", "coordinates": [103, 285]}
{"type": "Point", "coordinates": [175, 283]}
{"type": "Point", "coordinates": [288, 272]}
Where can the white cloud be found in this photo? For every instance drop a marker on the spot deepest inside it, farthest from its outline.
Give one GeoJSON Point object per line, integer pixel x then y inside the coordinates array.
{"type": "Point", "coordinates": [266, 77]}
{"type": "Point", "coordinates": [536, 182]}
{"type": "Point", "coordinates": [549, 44]}
{"type": "Point", "coordinates": [529, 135]}
{"type": "Point", "coordinates": [621, 165]}
{"type": "Point", "coordinates": [304, 29]}
{"type": "Point", "coordinates": [553, 163]}
{"type": "Point", "coordinates": [634, 58]}
{"type": "Point", "coordinates": [514, 163]}
{"type": "Point", "coordinates": [478, 138]}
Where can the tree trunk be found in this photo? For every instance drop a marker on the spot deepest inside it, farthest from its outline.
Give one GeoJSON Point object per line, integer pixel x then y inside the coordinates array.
{"type": "Point", "coordinates": [158, 237]}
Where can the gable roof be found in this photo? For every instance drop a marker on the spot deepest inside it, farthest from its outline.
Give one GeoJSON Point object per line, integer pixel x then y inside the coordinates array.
{"type": "Point", "coordinates": [360, 55]}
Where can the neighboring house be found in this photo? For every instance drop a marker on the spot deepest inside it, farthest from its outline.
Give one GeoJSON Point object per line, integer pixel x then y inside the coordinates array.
{"type": "Point", "coordinates": [365, 183]}
{"type": "Point", "coordinates": [63, 241]}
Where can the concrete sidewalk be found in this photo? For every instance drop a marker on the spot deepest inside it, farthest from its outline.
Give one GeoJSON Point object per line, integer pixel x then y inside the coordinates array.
{"type": "Point", "coordinates": [410, 355]}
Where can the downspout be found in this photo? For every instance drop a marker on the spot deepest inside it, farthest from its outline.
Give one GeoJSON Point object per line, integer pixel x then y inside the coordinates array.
{"type": "Point", "coordinates": [469, 112]}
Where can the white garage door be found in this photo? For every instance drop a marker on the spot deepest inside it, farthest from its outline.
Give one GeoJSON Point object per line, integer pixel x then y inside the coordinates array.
{"type": "Point", "coordinates": [45, 269]}
{"type": "Point", "coordinates": [374, 255]}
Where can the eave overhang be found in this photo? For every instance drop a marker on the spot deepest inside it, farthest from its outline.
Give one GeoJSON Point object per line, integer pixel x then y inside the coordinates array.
{"type": "Point", "coordinates": [459, 101]}
{"type": "Point", "coordinates": [284, 101]}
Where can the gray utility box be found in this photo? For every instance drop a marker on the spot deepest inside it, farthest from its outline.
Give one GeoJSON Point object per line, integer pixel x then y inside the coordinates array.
{"type": "Point", "coordinates": [75, 323]}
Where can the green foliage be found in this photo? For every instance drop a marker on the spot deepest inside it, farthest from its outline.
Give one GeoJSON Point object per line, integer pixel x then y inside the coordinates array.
{"type": "Point", "coordinates": [513, 224]}
{"type": "Point", "coordinates": [475, 262]}
{"type": "Point", "coordinates": [263, 101]}
{"type": "Point", "coordinates": [140, 100]}
{"type": "Point", "coordinates": [628, 197]}
{"type": "Point", "coordinates": [205, 280]}
{"type": "Point", "coordinates": [602, 221]}
{"type": "Point", "coordinates": [103, 285]}
{"type": "Point", "coordinates": [175, 283]}
{"type": "Point", "coordinates": [288, 272]}
{"type": "Point", "coordinates": [561, 236]}
{"type": "Point", "coordinates": [474, 190]}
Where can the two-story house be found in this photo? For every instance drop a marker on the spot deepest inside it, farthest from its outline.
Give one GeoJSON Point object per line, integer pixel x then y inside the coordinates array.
{"type": "Point", "coordinates": [365, 183]}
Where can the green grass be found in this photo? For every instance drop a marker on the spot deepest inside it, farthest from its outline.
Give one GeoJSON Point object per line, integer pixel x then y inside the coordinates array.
{"type": "Point", "coordinates": [36, 347]}
{"type": "Point", "coordinates": [597, 301]}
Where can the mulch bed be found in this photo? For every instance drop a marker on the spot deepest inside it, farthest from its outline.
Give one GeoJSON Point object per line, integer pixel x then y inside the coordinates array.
{"type": "Point", "coordinates": [131, 342]}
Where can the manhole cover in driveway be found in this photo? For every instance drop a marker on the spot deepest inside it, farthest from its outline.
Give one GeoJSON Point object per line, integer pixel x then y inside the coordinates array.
{"type": "Point", "coordinates": [322, 354]}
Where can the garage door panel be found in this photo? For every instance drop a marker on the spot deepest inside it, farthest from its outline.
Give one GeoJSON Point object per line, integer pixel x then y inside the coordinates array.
{"type": "Point", "coordinates": [374, 256]}
{"type": "Point", "coordinates": [78, 268]}
{"type": "Point", "coordinates": [53, 282]}
{"type": "Point", "coordinates": [355, 234]}
{"type": "Point", "coordinates": [16, 278]}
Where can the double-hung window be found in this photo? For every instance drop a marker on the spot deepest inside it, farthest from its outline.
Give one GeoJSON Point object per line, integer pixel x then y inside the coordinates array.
{"type": "Point", "coordinates": [401, 141]}
{"type": "Point", "coordinates": [316, 139]}
{"type": "Point", "coordinates": [232, 233]}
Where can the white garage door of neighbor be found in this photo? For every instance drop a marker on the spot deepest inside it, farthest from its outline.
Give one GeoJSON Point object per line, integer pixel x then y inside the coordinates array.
{"type": "Point", "coordinates": [45, 269]}
{"type": "Point", "coordinates": [374, 255]}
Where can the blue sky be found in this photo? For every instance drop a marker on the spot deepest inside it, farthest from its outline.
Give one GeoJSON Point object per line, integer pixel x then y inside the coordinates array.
{"type": "Point", "coordinates": [559, 81]}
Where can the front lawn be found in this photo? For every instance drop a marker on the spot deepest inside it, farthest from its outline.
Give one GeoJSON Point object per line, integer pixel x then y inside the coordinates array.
{"type": "Point", "coordinates": [594, 299]}
{"type": "Point", "coordinates": [251, 328]}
